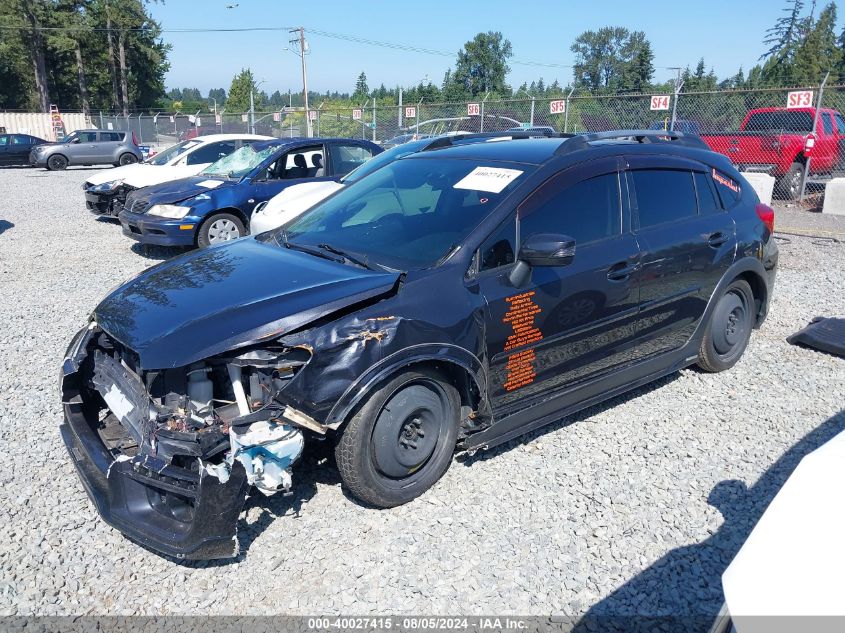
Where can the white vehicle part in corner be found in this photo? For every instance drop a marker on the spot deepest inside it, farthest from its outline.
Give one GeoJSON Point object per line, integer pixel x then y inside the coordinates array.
{"type": "Point", "coordinates": [290, 204]}
{"type": "Point", "coordinates": [792, 563]}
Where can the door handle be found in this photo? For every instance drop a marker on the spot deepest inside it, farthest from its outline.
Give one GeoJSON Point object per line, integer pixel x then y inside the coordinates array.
{"type": "Point", "coordinates": [717, 239]}
{"type": "Point", "coordinates": [621, 271]}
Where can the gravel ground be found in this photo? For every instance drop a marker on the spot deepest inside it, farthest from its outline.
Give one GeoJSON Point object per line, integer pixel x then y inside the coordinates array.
{"type": "Point", "coordinates": [635, 506]}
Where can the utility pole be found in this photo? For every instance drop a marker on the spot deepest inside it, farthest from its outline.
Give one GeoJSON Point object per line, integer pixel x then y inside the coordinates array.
{"type": "Point", "coordinates": [302, 48]}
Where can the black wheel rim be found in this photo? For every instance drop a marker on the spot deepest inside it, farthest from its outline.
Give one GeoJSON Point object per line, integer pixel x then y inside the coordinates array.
{"type": "Point", "coordinates": [409, 428]}
{"type": "Point", "coordinates": [730, 323]}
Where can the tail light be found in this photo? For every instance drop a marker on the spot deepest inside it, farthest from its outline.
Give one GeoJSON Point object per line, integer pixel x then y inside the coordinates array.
{"type": "Point", "coordinates": [134, 138]}
{"type": "Point", "coordinates": [767, 215]}
{"type": "Point", "coordinates": [809, 143]}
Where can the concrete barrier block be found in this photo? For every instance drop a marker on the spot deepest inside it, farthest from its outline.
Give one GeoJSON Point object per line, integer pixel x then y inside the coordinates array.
{"type": "Point", "coordinates": [834, 197]}
{"type": "Point", "coordinates": [763, 184]}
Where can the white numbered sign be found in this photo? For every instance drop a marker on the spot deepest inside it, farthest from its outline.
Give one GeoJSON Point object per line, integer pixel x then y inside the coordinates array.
{"type": "Point", "coordinates": [557, 107]}
{"type": "Point", "coordinates": [659, 102]}
{"type": "Point", "coordinates": [473, 109]}
{"type": "Point", "coordinates": [411, 112]}
{"type": "Point", "coordinates": [799, 99]}
{"type": "Point", "coordinates": [356, 115]}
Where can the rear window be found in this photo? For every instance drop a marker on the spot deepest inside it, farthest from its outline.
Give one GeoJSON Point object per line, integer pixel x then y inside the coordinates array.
{"type": "Point", "coordinates": [728, 188]}
{"type": "Point", "coordinates": [792, 121]}
{"type": "Point", "coordinates": [663, 195]}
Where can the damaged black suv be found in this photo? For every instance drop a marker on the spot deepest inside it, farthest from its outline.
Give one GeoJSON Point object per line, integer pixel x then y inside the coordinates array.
{"type": "Point", "coordinates": [455, 298]}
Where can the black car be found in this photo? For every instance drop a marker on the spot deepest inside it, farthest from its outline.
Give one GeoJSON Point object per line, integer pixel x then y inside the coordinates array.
{"type": "Point", "coordinates": [15, 148]}
{"type": "Point", "coordinates": [455, 298]}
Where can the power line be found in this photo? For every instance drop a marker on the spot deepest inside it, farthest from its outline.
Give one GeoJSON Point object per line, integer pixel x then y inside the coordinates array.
{"type": "Point", "coordinates": [355, 39]}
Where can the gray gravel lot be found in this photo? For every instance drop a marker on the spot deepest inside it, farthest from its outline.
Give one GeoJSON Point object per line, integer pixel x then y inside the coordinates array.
{"type": "Point", "coordinates": [635, 506]}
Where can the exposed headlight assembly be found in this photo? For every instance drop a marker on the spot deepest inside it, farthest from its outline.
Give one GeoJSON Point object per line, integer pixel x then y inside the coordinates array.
{"type": "Point", "coordinates": [107, 187]}
{"type": "Point", "coordinates": [173, 211]}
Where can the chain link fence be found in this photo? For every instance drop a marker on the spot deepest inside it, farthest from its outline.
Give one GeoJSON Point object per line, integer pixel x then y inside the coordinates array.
{"type": "Point", "coordinates": [770, 130]}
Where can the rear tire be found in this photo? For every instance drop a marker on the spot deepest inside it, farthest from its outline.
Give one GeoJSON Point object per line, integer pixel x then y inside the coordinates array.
{"type": "Point", "coordinates": [127, 159]}
{"type": "Point", "coordinates": [789, 185]}
{"type": "Point", "coordinates": [401, 441]}
{"type": "Point", "coordinates": [729, 328]}
{"type": "Point", "coordinates": [57, 162]}
{"type": "Point", "coordinates": [220, 227]}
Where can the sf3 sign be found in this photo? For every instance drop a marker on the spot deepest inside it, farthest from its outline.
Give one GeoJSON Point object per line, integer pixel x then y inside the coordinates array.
{"type": "Point", "coordinates": [659, 102]}
{"type": "Point", "coordinates": [799, 99]}
{"type": "Point", "coordinates": [557, 107]}
{"type": "Point", "coordinates": [473, 109]}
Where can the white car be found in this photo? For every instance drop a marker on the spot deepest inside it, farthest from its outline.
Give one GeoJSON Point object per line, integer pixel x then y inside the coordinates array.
{"type": "Point", "coordinates": [293, 201]}
{"type": "Point", "coordinates": [182, 160]}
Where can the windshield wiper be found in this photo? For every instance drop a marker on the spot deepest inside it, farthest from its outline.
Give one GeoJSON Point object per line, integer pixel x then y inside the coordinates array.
{"type": "Point", "coordinates": [305, 249]}
{"type": "Point", "coordinates": [346, 256]}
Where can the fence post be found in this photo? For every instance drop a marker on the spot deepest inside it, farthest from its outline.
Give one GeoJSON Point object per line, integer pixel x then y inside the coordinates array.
{"type": "Point", "coordinates": [678, 85]}
{"type": "Point", "coordinates": [419, 105]}
{"type": "Point", "coordinates": [482, 110]}
{"type": "Point", "coordinates": [532, 111]}
{"type": "Point", "coordinates": [101, 119]}
{"type": "Point", "coordinates": [815, 126]}
{"type": "Point", "coordinates": [374, 119]}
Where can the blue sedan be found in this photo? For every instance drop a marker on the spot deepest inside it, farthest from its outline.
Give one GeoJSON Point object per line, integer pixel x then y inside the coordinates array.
{"type": "Point", "coordinates": [215, 206]}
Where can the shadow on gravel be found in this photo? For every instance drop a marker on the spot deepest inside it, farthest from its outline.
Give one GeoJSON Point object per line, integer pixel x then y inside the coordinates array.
{"type": "Point", "coordinates": [316, 467]}
{"type": "Point", "coordinates": [107, 219]}
{"type": "Point", "coordinates": [158, 253]}
{"type": "Point", "coordinates": [5, 225]}
{"type": "Point", "coordinates": [683, 590]}
{"type": "Point", "coordinates": [469, 460]}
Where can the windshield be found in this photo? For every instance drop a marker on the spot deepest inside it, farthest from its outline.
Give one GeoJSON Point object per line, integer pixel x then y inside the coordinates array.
{"type": "Point", "coordinates": [240, 162]}
{"type": "Point", "coordinates": [162, 158]}
{"type": "Point", "coordinates": [408, 214]}
{"type": "Point", "coordinates": [379, 161]}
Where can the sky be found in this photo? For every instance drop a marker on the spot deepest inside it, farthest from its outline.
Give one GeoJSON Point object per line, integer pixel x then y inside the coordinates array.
{"type": "Point", "coordinates": [726, 33]}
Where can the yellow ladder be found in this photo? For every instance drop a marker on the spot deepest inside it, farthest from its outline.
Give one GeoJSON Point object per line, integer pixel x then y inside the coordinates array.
{"type": "Point", "coordinates": [56, 123]}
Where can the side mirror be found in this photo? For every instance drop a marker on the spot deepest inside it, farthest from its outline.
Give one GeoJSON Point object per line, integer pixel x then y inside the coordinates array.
{"type": "Point", "coordinates": [548, 249]}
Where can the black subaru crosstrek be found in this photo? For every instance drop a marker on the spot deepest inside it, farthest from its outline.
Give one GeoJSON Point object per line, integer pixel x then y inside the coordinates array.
{"type": "Point", "coordinates": [452, 299]}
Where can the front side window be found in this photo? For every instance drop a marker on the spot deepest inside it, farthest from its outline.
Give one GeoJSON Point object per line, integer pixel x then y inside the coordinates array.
{"type": "Point", "coordinates": [827, 123]}
{"type": "Point", "coordinates": [410, 213]}
{"type": "Point", "coordinates": [588, 210]}
{"type": "Point", "coordinates": [4, 139]}
{"type": "Point", "coordinates": [840, 123]}
{"type": "Point", "coordinates": [663, 195]}
{"type": "Point", "coordinates": [345, 158]}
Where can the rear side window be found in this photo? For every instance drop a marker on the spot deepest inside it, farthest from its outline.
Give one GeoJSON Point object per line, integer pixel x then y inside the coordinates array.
{"type": "Point", "coordinates": [345, 158]}
{"type": "Point", "coordinates": [588, 210]}
{"type": "Point", "coordinates": [111, 136]}
{"type": "Point", "coordinates": [663, 195]}
{"type": "Point", "coordinates": [707, 202]}
{"type": "Point", "coordinates": [728, 188]}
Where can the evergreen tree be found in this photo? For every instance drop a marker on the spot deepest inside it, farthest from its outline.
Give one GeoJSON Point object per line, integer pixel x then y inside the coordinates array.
{"type": "Point", "coordinates": [361, 88]}
{"type": "Point", "coordinates": [785, 34]}
{"type": "Point", "coordinates": [242, 84]}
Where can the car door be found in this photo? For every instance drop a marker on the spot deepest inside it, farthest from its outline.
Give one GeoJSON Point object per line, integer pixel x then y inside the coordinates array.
{"type": "Point", "coordinates": [827, 143]}
{"type": "Point", "coordinates": [288, 168]}
{"type": "Point", "coordinates": [19, 148]}
{"type": "Point", "coordinates": [5, 149]}
{"type": "Point", "coordinates": [84, 149]}
{"type": "Point", "coordinates": [688, 242]}
{"type": "Point", "coordinates": [568, 323]}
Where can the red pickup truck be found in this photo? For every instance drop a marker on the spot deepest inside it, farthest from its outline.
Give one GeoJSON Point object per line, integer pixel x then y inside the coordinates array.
{"type": "Point", "coordinates": [778, 141]}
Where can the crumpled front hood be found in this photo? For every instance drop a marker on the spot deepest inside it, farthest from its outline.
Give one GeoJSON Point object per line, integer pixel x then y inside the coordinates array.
{"type": "Point", "coordinates": [216, 299]}
{"type": "Point", "coordinates": [161, 174]}
{"type": "Point", "coordinates": [118, 173]}
{"type": "Point", "coordinates": [175, 191]}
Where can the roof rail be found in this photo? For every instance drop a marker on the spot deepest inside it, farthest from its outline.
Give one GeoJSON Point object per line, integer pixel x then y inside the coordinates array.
{"type": "Point", "coordinates": [582, 141]}
{"type": "Point", "coordinates": [448, 141]}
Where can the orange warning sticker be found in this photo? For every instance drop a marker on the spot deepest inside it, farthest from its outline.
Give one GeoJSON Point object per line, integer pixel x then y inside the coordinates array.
{"type": "Point", "coordinates": [520, 315]}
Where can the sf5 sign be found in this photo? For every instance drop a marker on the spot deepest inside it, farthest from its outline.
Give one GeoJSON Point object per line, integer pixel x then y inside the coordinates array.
{"type": "Point", "coordinates": [659, 102]}
{"type": "Point", "coordinates": [799, 99]}
{"type": "Point", "coordinates": [557, 107]}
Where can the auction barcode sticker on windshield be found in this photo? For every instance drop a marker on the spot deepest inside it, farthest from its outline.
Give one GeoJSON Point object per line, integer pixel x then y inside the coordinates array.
{"type": "Point", "coordinates": [492, 179]}
{"type": "Point", "coordinates": [210, 184]}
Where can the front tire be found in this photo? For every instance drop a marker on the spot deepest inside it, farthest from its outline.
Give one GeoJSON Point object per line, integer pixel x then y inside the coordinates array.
{"type": "Point", "coordinates": [56, 162]}
{"type": "Point", "coordinates": [729, 328]}
{"type": "Point", "coordinates": [401, 441]}
{"type": "Point", "coordinates": [220, 227]}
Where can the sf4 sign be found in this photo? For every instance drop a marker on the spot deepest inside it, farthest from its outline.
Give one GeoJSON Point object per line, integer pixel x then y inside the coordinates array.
{"type": "Point", "coordinates": [473, 109]}
{"type": "Point", "coordinates": [411, 112]}
{"type": "Point", "coordinates": [356, 115]}
{"type": "Point", "coordinates": [659, 102]}
{"type": "Point", "coordinates": [799, 99]}
{"type": "Point", "coordinates": [557, 107]}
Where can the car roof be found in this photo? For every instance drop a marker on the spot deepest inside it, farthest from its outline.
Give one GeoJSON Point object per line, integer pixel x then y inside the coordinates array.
{"type": "Point", "coordinates": [210, 138]}
{"type": "Point", "coordinates": [533, 151]}
{"type": "Point", "coordinates": [300, 141]}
